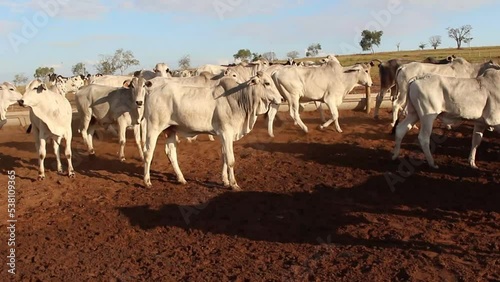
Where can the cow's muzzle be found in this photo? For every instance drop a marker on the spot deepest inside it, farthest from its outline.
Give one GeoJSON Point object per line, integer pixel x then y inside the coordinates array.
{"type": "Point", "coordinates": [21, 103]}
{"type": "Point", "coordinates": [139, 103]}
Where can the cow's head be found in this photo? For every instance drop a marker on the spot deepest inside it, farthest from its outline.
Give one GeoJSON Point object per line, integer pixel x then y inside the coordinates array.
{"type": "Point", "coordinates": [35, 93]}
{"type": "Point", "coordinates": [162, 69]}
{"type": "Point", "coordinates": [139, 86]}
{"type": "Point", "coordinates": [362, 71]}
{"type": "Point", "coordinates": [74, 83]}
{"type": "Point", "coordinates": [8, 96]}
{"type": "Point", "coordinates": [234, 75]}
{"type": "Point", "coordinates": [264, 91]}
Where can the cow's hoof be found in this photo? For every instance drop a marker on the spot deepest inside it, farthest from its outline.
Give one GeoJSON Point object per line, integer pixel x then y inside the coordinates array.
{"type": "Point", "coordinates": [41, 177]}
{"type": "Point", "coordinates": [376, 118]}
{"type": "Point", "coordinates": [72, 174]}
{"type": "Point", "coordinates": [182, 181]}
{"type": "Point", "coordinates": [122, 160]}
{"type": "Point", "coordinates": [434, 166]}
{"type": "Point", "coordinates": [60, 171]}
{"type": "Point", "coordinates": [235, 187]}
{"type": "Point", "coordinates": [148, 184]}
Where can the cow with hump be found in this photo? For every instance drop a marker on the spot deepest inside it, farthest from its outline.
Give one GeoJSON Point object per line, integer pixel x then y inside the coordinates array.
{"type": "Point", "coordinates": [105, 106]}
{"type": "Point", "coordinates": [459, 68]}
{"type": "Point", "coordinates": [328, 84]}
{"type": "Point", "coordinates": [450, 98]}
{"type": "Point", "coordinates": [50, 116]}
{"type": "Point", "coordinates": [228, 110]}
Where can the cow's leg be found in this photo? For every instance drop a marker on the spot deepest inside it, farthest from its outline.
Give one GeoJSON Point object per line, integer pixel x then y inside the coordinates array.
{"type": "Point", "coordinates": [335, 115]}
{"type": "Point", "coordinates": [152, 134]}
{"type": "Point", "coordinates": [171, 151]}
{"type": "Point", "coordinates": [41, 157]}
{"type": "Point", "coordinates": [84, 130]}
{"type": "Point", "coordinates": [477, 136]}
{"type": "Point", "coordinates": [294, 105]}
{"type": "Point", "coordinates": [271, 115]}
{"type": "Point", "coordinates": [395, 112]}
{"type": "Point", "coordinates": [228, 152]}
{"type": "Point", "coordinates": [67, 152]}
{"type": "Point", "coordinates": [122, 133]}
{"type": "Point", "coordinates": [56, 142]}
{"type": "Point", "coordinates": [319, 108]}
{"type": "Point", "coordinates": [225, 177]}
{"type": "Point", "coordinates": [401, 131]}
{"type": "Point", "coordinates": [191, 139]}
{"type": "Point", "coordinates": [137, 136]}
{"type": "Point", "coordinates": [424, 137]}
{"type": "Point", "coordinates": [378, 102]}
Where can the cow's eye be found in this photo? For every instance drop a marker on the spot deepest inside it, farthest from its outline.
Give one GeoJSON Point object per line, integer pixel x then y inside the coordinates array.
{"type": "Point", "coordinates": [267, 83]}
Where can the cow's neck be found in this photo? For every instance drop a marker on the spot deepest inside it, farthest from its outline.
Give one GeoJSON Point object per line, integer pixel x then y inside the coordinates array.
{"type": "Point", "coordinates": [350, 81]}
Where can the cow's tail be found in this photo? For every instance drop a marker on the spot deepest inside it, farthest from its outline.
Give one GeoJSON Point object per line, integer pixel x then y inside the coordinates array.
{"type": "Point", "coordinates": [409, 105]}
{"type": "Point", "coordinates": [28, 130]}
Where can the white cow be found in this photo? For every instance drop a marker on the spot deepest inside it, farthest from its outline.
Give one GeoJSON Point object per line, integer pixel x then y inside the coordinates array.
{"type": "Point", "coordinates": [228, 110]}
{"type": "Point", "coordinates": [8, 96]}
{"type": "Point", "coordinates": [106, 106]}
{"type": "Point", "coordinates": [213, 69]}
{"type": "Point", "coordinates": [458, 68]}
{"type": "Point", "coordinates": [160, 70]}
{"type": "Point", "coordinates": [50, 115]}
{"type": "Point", "coordinates": [112, 80]}
{"type": "Point", "coordinates": [329, 84]}
{"type": "Point", "coordinates": [430, 96]}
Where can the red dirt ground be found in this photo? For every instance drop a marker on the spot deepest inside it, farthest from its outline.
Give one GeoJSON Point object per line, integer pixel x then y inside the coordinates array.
{"type": "Point", "coordinates": [314, 207]}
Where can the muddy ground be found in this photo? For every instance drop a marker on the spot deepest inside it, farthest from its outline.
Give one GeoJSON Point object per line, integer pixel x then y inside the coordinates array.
{"type": "Point", "coordinates": [318, 207]}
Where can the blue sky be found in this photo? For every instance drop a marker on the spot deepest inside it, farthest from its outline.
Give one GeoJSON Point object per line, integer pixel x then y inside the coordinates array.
{"type": "Point", "coordinates": [61, 33]}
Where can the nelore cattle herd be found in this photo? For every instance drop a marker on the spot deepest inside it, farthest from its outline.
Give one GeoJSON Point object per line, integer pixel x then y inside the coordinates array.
{"type": "Point", "coordinates": [225, 101]}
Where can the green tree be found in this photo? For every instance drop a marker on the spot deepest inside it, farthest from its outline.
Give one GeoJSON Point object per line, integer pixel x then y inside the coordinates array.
{"type": "Point", "coordinates": [243, 54]}
{"type": "Point", "coordinates": [185, 62]}
{"type": "Point", "coordinates": [121, 61]}
{"type": "Point", "coordinates": [422, 46]}
{"type": "Point", "coordinates": [370, 38]}
{"type": "Point", "coordinates": [105, 65]}
{"type": "Point", "coordinates": [460, 34]}
{"type": "Point", "coordinates": [313, 50]}
{"type": "Point", "coordinates": [20, 79]}
{"type": "Point", "coordinates": [43, 71]}
{"type": "Point", "coordinates": [78, 69]}
{"type": "Point", "coordinates": [293, 54]}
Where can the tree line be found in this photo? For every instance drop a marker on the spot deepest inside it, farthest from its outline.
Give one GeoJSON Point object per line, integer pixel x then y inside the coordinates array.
{"type": "Point", "coordinates": [122, 59]}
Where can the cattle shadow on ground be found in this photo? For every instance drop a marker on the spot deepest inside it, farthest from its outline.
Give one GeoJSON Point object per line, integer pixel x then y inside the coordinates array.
{"type": "Point", "coordinates": [331, 154]}
{"type": "Point", "coordinates": [305, 217]}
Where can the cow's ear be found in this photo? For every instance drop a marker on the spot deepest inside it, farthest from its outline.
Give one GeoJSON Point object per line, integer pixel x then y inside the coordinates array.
{"type": "Point", "coordinates": [254, 81]}
{"type": "Point", "coordinates": [148, 83]}
{"type": "Point", "coordinates": [260, 74]}
{"type": "Point", "coordinates": [42, 87]}
{"type": "Point", "coordinates": [127, 83]}
{"type": "Point", "coordinates": [137, 73]}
